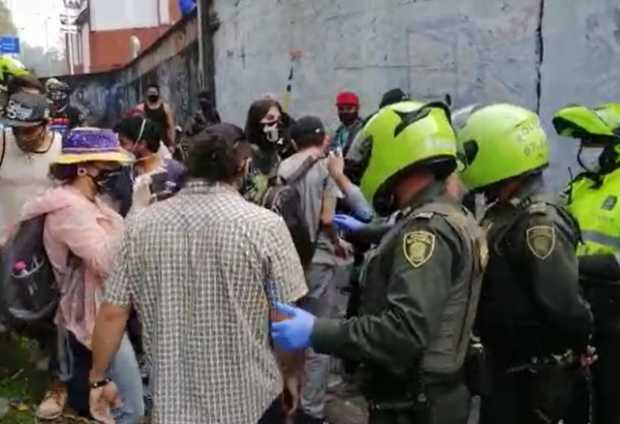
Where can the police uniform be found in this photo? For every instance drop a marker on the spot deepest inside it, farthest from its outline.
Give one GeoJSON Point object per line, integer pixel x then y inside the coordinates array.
{"type": "Point", "coordinates": [595, 206]}
{"type": "Point", "coordinates": [420, 288]}
{"type": "Point", "coordinates": [530, 308]}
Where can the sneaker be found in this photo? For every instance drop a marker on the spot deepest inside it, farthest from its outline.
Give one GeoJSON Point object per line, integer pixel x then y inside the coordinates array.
{"type": "Point", "coordinates": [53, 402]}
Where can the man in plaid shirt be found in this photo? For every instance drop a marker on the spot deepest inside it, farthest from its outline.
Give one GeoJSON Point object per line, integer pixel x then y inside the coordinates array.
{"type": "Point", "coordinates": [204, 269]}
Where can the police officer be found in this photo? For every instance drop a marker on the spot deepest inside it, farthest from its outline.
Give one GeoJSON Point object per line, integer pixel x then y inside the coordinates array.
{"type": "Point", "coordinates": [420, 286]}
{"type": "Point", "coordinates": [531, 313]}
{"type": "Point", "coordinates": [592, 198]}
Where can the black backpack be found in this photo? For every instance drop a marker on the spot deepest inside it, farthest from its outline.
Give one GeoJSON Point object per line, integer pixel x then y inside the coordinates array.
{"type": "Point", "coordinates": [29, 294]}
{"type": "Point", "coordinates": [283, 198]}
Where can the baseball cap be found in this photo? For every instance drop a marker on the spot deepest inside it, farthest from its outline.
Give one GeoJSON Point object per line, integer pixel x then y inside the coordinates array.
{"type": "Point", "coordinates": [395, 95]}
{"type": "Point", "coordinates": [307, 125]}
{"type": "Point", "coordinates": [347, 98]}
{"type": "Point", "coordinates": [26, 110]}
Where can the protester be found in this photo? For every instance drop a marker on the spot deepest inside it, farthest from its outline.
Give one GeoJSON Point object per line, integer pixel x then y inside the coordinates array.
{"type": "Point", "coordinates": [265, 133]}
{"type": "Point", "coordinates": [531, 312]}
{"type": "Point", "coordinates": [318, 193]}
{"type": "Point", "coordinates": [63, 112]}
{"type": "Point", "coordinates": [27, 149]}
{"type": "Point", "coordinates": [421, 284]}
{"type": "Point", "coordinates": [204, 269]}
{"type": "Point", "coordinates": [160, 112]}
{"type": "Point", "coordinates": [82, 236]}
{"type": "Point", "coordinates": [205, 117]}
{"type": "Point", "coordinates": [348, 105]}
{"type": "Point", "coordinates": [591, 198]}
{"type": "Point", "coordinates": [393, 96]}
{"type": "Point", "coordinates": [156, 178]}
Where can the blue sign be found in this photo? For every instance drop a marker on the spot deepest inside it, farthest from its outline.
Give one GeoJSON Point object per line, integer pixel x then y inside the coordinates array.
{"type": "Point", "coordinates": [9, 44]}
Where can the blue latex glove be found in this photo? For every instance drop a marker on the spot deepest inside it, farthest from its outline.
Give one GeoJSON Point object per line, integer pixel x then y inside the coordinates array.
{"type": "Point", "coordinates": [347, 223]}
{"type": "Point", "coordinates": [292, 334]}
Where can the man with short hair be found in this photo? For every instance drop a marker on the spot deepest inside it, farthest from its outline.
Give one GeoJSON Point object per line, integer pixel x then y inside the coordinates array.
{"type": "Point", "coordinates": [204, 270]}
{"type": "Point", "coordinates": [160, 112]}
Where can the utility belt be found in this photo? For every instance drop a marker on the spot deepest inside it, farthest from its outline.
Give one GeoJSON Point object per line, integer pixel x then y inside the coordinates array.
{"type": "Point", "coordinates": [417, 398]}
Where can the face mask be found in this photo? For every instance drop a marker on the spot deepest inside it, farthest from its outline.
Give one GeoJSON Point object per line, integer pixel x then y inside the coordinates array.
{"type": "Point", "coordinates": [347, 118]}
{"type": "Point", "coordinates": [118, 184]}
{"type": "Point", "coordinates": [272, 133]}
{"type": "Point", "coordinates": [153, 98]}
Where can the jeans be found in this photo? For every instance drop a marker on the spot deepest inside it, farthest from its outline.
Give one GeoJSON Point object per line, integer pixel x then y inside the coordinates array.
{"type": "Point", "coordinates": [125, 373]}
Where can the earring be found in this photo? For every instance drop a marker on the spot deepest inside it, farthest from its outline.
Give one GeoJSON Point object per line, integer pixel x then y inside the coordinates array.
{"type": "Point", "coordinates": [82, 172]}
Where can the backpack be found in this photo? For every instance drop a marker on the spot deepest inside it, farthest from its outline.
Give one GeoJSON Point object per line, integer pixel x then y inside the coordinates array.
{"type": "Point", "coordinates": [283, 198]}
{"type": "Point", "coordinates": [29, 294]}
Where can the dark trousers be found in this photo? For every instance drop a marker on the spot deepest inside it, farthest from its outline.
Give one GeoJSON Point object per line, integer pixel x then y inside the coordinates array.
{"type": "Point", "coordinates": [450, 404]}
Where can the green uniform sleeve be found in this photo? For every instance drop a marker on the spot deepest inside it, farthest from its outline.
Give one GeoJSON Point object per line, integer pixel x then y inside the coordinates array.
{"type": "Point", "coordinates": [547, 247]}
{"type": "Point", "coordinates": [419, 285]}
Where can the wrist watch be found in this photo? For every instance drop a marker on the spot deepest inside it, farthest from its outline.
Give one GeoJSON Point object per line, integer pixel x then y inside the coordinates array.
{"type": "Point", "coordinates": [99, 384]}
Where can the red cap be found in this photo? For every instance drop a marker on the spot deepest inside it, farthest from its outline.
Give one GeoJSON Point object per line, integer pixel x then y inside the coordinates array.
{"type": "Point", "coordinates": [347, 98]}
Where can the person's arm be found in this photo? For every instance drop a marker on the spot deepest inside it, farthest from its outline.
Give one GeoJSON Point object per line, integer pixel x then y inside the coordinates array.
{"type": "Point", "coordinates": [551, 267]}
{"type": "Point", "coordinates": [418, 289]}
{"type": "Point", "coordinates": [286, 284]}
{"type": "Point", "coordinates": [352, 194]}
{"type": "Point", "coordinates": [110, 328]}
{"type": "Point", "coordinates": [81, 232]}
{"type": "Point", "coordinates": [600, 269]}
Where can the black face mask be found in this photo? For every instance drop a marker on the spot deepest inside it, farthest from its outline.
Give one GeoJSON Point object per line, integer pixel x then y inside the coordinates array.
{"type": "Point", "coordinates": [153, 98]}
{"type": "Point", "coordinates": [118, 184]}
{"type": "Point", "coordinates": [348, 118]}
{"type": "Point", "coordinates": [272, 133]}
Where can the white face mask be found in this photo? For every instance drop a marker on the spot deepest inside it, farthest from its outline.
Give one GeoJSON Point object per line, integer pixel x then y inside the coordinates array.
{"type": "Point", "coordinates": [272, 133]}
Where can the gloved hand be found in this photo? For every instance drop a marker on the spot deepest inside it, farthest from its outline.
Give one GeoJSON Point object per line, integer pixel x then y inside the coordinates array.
{"type": "Point", "coordinates": [292, 334]}
{"type": "Point", "coordinates": [348, 223]}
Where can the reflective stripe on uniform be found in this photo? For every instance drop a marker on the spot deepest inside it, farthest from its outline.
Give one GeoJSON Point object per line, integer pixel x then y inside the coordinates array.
{"type": "Point", "coordinates": [600, 238]}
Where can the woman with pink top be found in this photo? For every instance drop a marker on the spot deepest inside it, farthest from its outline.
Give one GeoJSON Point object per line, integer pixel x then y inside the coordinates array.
{"type": "Point", "coordinates": [82, 237]}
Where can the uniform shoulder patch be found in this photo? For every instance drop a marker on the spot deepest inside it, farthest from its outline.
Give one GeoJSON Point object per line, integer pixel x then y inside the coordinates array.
{"type": "Point", "coordinates": [541, 240]}
{"type": "Point", "coordinates": [418, 247]}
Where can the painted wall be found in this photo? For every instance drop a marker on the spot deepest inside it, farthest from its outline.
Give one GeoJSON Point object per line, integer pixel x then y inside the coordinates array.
{"type": "Point", "coordinates": [541, 54]}
{"type": "Point", "coordinates": [172, 62]}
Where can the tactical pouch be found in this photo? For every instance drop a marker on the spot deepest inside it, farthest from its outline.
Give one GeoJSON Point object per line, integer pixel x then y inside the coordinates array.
{"type": "Point", "coordinates": [478, 372]}
{"type": "Point", "coordinates": [550, 392]}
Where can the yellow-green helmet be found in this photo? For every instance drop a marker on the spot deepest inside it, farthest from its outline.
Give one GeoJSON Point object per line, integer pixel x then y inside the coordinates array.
{"type": "Point", "coordinates": [10, 67]}
{"type": "Point", "coordinates": [403, 136]}
{"type": "Point", "coordinates": [499, 142]}
{"type": "Point", "coordinates": [576, 121]}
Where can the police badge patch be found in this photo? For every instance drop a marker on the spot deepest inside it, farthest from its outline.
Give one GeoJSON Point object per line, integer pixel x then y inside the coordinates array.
{"type": "Point", "coordinates": [418, 247]}
{"type": "Point", "coordinates": [541, 240]}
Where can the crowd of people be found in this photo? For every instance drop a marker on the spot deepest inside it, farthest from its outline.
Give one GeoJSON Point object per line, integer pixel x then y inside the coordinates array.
{"type": "Point", "coordinates": [222, 274]}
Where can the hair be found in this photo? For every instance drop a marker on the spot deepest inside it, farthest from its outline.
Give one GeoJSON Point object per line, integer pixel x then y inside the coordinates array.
{"type": "Point", "coordinates": [216, 157]}
{"type": "Point", "coordinates": [309, 140]}
{"type": "Point", "coordinates": [153, 85]}
{"type": "Point", "coordinates": [256, 113]}
{"type": "Point", "coordinates": [141, 129]}
{"type": "Point", "coordinates": [17, 84]}
{"type": "Point", "coordinates": [63, 173]}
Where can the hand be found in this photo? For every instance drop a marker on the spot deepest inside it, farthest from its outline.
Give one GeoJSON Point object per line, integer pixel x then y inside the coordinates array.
{"type": "Point", "coordinates": [589, 357]}
{"type": "Point", "coordinates": [347, 223]}
{"type": "Point", "coordinates": [335, 164]}
{"type": "Point", "coordinates": [294, 333]}
{"type": "Point", "coordinates": [102, 401]}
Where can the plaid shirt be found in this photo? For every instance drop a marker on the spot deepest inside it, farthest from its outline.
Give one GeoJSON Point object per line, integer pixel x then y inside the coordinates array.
{"type": "Point", "coordinates": [202, 269]}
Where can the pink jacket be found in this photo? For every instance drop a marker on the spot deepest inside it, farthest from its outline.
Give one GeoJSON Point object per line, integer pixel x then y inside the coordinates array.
{"type": "Point", "coordinates": [93, 232]}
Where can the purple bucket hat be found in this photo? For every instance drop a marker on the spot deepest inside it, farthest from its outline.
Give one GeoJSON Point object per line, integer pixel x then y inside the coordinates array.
{"type": "Point", "coordinates": [91, 145]}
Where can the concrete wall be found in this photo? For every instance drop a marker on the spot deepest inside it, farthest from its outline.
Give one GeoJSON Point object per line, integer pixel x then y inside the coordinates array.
{"type": "Point", "coordinates": [541, 54]}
